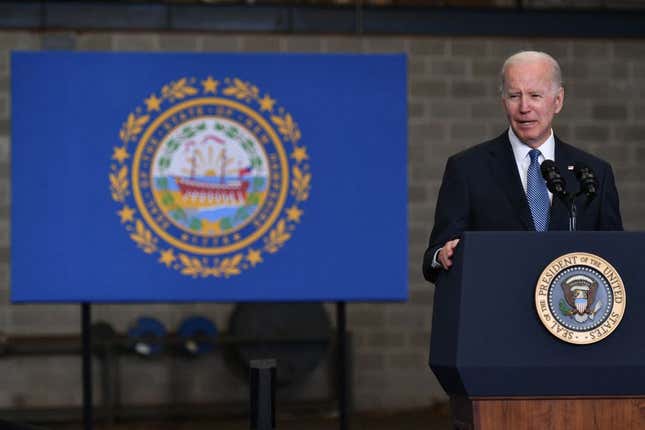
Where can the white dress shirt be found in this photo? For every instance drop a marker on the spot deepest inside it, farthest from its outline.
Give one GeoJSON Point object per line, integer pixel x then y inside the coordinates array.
{"type": "Point", "coordinates": [523, 159]}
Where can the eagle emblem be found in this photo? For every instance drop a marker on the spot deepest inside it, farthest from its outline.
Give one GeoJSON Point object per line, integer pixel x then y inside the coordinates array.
{"type": "Point", "coordinates": [580, 294]}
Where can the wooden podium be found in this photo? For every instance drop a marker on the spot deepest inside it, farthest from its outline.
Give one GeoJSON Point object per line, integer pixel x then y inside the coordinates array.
{"type": "Point", "coordinates": [503, 369]}
{"type": "Point", "coordinates": [548, 413]}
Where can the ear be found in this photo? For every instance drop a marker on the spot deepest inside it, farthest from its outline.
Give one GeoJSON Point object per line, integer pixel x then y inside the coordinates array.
{"type": "Point", "coordinates": [559, 100]}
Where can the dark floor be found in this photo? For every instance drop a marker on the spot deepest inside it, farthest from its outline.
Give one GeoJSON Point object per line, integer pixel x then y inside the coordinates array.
{"type": "Point", "coordinates": [436, 418]}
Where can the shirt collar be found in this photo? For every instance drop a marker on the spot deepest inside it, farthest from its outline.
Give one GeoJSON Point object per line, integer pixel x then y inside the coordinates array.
{"type": "Point", "coordinates": [521, 150]}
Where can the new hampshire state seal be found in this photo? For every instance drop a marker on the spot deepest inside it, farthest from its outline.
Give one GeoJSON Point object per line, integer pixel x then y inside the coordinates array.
{"type": "Point", "coordinates": [210, 176]}
{"type": "Point", "coordinates": [580, 298]}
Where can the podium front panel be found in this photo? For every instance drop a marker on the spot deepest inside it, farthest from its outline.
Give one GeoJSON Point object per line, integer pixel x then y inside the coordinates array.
{"type": "Point", "coordinates": [489, 341]}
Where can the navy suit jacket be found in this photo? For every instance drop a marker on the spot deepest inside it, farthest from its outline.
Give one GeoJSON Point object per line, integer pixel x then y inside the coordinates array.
{"type": "Point", "coordinates": [482, 190]}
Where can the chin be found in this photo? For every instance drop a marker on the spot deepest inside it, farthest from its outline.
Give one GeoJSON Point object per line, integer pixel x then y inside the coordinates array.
{"type": "Point", "coordinates": [529, 138]}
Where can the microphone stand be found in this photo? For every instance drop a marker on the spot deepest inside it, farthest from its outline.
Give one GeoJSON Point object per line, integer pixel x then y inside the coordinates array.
{"type": "Point", "coordinates": [572, 212]}
{"type": "Point", "coordinates": [570, 201]}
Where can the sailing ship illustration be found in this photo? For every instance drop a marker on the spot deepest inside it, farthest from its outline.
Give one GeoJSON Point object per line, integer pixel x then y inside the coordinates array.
{"type": "Point", "coordinates": [223, 191]}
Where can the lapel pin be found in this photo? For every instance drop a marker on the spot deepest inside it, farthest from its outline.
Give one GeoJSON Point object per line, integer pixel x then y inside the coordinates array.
{"type": "Point", "coordinates": [571, 167]}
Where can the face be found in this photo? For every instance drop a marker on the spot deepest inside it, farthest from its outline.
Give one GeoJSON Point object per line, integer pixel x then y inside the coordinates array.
{"type": "Point", "coordinates": [531, 100]}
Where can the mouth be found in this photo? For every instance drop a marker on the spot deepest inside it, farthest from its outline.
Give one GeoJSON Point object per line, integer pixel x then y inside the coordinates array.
{"type": "Point", "coordinates": [526, 124]}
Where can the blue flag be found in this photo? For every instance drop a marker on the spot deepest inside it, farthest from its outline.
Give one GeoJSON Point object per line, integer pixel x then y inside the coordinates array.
{"type": "Point", "coordinates": [201, 177]}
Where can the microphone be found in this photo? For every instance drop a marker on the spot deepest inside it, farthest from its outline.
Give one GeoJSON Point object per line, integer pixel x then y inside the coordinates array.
{"type": "Point", "coordinates": [554, 181]}
{"type": "Point", "coordinates": [587, 179]}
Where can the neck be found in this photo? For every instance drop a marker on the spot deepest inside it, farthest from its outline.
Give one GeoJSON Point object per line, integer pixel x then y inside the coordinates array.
{"type": "Point", "coordinates": [533, 144]}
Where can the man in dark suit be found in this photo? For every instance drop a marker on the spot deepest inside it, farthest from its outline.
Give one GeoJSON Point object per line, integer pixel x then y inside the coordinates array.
{"type": "Point", "coordinates": [497, 186]}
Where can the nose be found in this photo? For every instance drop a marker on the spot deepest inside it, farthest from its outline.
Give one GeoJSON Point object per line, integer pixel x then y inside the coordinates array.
{"type": "Point", "coordinates": [524, 104]}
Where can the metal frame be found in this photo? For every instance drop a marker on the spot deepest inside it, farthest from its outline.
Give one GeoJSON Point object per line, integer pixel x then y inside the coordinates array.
{"type": "Point", "coordinates": [308, 19]}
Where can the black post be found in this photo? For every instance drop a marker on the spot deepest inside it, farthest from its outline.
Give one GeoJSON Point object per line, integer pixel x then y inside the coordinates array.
{"type": "Point", "coordinates": [263, 377]}
{"type": "Point", "coordinates": [341, 335]}
{"type": "Point", "coordinates": [86, 330]}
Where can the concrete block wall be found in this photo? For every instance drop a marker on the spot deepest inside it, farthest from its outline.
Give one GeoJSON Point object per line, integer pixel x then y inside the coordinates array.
{"type": "Point", "coordinates": [453, 103]}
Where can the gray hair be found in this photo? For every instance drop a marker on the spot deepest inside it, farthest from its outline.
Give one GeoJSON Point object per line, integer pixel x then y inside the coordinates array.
{"type": "Point", "coordinates": [529, 56]}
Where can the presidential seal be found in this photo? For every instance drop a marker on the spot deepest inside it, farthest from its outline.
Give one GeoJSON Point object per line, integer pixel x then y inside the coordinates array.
{"type": "Point", "coordinates": [580, 298]}
{"type": "Point", "coordinates": [210, 176]}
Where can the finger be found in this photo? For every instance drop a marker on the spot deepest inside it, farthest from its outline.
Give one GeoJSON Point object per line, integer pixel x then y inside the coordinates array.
{"type": "Point", "coordinates": [446, 253]}
{"type": "Point", "coordinates": [445, 259]}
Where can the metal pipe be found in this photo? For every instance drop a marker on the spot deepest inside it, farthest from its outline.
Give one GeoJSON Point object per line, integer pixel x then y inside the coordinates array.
{"type": "Point", "coordinates": [86, 328]}
{"type": "Point", "coordinates": [341, 326]}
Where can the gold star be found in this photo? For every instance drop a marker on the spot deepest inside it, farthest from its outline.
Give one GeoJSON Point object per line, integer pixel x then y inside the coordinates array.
{"type": "Point", "coordinates": [266, 103]}
{"type": "Point", "coordinates": [294, 214]}
{"type": "Point", "coordinates": [120, 154]}
{"type": "Point", "coordinates": [167, 257]}
{"type": "Point", "coordinates": [254, 257]}
{"type": "Point", "coordinates": [153, 103]}
{"type": "Point", "coordinates": [126, 214]}
{"type": "Point", "coordinates": [210, 85]}
{"type": "Point", "coordinates": [299, 154]}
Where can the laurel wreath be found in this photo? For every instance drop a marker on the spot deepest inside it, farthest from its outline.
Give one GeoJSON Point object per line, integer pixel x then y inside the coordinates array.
{"type": "Point", "coordinates": [177, 90]}
{"type": "Point", "coordinates": [132, 127]}
{"type": "Point", "coordinates": [119, 185]}
{"type": "Point", "coordinates": [242, 91]}
{"type": "Point", "coordinates": [277, 236]}
{"type": "Point", "coordinates": [226, 268]}
{"type": "Point", "coordinates": [301, 184]}
{"type": "Point", "coordinates": [144, 238]}
{"type": "Point", "coordinates": [287, 127]}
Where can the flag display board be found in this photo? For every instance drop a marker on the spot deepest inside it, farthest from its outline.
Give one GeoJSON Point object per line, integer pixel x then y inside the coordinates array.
{"type": "Point", "coordinates": [208, 177]}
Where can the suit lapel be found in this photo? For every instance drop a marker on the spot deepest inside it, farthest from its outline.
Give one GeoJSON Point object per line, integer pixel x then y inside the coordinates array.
{"type": "Point", "coordinates": [504, 170]}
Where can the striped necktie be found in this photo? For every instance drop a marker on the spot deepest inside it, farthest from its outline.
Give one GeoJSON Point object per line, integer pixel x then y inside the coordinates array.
{"type": "Point", "coordinates": [537, 194]}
